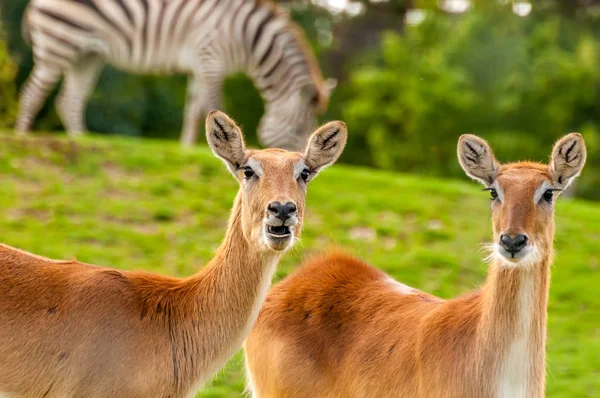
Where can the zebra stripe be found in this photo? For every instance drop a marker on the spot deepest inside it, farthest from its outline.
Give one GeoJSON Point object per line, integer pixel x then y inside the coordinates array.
{"type": "Point", "coordinates": [207, 39]}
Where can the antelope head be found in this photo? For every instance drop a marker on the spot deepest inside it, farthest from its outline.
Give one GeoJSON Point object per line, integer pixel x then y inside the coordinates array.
{"type": "Point", "coordinates": [522, 195]}
{"type": "Point", "coordinates": [273, 182]}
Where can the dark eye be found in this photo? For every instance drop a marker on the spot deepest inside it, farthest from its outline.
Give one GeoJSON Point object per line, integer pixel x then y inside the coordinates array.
{"type": "Point", "coordinates": [248, 172]}
{"type": "Point", "coordinates": [305, 174]}
{"type": "Point", "coordinates": [493, 193]}
{"type": "Point", "coordinates": [548, 195]}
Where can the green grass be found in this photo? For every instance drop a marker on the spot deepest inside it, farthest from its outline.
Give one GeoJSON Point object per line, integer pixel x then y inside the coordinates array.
{"type": "Point", "coordinates": [136, 204]}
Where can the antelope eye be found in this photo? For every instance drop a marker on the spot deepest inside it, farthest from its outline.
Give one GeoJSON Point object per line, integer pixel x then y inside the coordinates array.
{"type": "Point", "coordinates": [248, 172]}
{"type": "Point", "coordinates": [548, 195]}
{"type": "Point", "coordinates": [493, 193]}
{"type": "Point", "coordinates": [305, 174]}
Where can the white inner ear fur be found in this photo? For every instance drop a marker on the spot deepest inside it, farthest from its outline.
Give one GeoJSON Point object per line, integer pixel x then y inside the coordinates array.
{"type": "Point", "coordinates": [325, 146]}
{"type": "Point", "coordinates": [225, 139]}
{"type": "Point", "coordinates": [477, 159]}
{"type": "Point", "coordinates": [568, 159]}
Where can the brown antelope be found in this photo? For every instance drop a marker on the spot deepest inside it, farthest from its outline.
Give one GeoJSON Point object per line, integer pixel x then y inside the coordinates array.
{"type": "Point", "coordinates": [69, 329]}
{"type": "Point", "coordinates": [341, 328]}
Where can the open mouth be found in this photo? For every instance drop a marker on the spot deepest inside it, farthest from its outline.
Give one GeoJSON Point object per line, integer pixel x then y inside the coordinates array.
{"type": "Point", "coordinates": [281, 231]}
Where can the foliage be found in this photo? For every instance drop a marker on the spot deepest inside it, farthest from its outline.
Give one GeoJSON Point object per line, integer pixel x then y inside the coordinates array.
{"type": "Point", "coordinates": [165, 210]}
{"type": "Point", "coordinates": [8, 95]}
{"type": "Point", "coordinates": [519, 82]}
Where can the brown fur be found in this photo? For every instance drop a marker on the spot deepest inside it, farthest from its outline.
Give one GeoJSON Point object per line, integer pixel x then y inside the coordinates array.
{"type": "Point", "coordinates": [69, 329]}
{"type": "Point", "coordinates": [341, 328]}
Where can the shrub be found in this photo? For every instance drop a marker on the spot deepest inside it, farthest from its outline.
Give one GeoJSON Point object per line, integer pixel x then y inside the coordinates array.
{"type": "Point", "coordinates": [8, 92]}
{"type": "Point", "coordinates": [519, 82]}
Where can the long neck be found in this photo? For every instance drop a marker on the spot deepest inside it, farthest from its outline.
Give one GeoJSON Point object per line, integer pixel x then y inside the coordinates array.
{"type": "Point", "coordinates": [513, 328]}
{"type": "Point", "coordinates": [224, 301]}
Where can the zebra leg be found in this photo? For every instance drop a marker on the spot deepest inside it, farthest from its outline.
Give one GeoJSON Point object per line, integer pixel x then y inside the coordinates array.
{"type": "Point", "coordinates": [35, 91]}
{"type": "Point", "coordinates": [202, 97]}
{"type": "Point", "coordinates": [78, 84]}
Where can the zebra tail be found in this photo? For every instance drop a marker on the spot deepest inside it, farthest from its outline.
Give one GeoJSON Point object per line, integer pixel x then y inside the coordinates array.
{"type": "Point", "coordinates": [25, 33]}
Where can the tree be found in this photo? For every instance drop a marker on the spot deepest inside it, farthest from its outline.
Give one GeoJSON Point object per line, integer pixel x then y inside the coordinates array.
{"type": "Point", "coordinates": [8, 96]}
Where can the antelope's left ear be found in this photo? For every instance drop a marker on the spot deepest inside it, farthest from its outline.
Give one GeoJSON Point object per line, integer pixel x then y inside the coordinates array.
{"type": "Point", "coordinates": [225, 139]}
{"type": "Point", "coordinates": [325, 146]}
{"type": "Point", "coordinates": [477, 159]}
{"type": "Point", "coordinates": [568, 158]}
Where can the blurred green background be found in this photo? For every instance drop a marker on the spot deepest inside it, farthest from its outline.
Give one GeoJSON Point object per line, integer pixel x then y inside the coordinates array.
{"type": "Point", "coordinates": [148, 205]}
{"type": "Point", "coordinates": [413, 75]}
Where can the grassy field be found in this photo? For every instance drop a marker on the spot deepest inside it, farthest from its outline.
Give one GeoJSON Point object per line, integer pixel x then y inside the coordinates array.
{"type": "Point", "coordinates": [149, 205]}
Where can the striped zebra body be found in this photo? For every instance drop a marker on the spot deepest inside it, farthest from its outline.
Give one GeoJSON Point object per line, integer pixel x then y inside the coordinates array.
{"type": "Point", "coordinates": [206, 39]}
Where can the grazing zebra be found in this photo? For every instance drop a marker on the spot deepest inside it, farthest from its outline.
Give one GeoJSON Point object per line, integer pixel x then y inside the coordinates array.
{"type": "Point", "coordinates": [207, 39]}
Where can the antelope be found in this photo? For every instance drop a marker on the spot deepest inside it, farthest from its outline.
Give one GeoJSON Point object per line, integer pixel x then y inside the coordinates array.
{"type": "Point", "coordinates": [69, 329]}
{"type": "Point", "coordinates": [341, 328]}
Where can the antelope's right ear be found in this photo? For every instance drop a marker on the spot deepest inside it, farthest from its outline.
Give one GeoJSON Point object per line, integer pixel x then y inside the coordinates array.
{"type": "Point", "coordinates": [477, 159]}
{"type": "Point", "coordinates": [568, 158]}
{"type": "Point", "coordinates": [226, 140]}
{"type": "Point", "coordinates": [325, 146]}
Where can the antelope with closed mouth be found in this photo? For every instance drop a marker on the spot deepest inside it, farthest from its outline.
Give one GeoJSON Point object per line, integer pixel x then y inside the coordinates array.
{"type": "Point", "coordinates": [341, 328]}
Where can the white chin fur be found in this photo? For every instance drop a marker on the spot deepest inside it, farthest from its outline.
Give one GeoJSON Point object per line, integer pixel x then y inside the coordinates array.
{"type": "Point", "coordinates": [529, 256]}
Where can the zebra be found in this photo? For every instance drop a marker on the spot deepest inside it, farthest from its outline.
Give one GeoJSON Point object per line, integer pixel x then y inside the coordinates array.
{"type": "Point", "coordinates": [206, 39]}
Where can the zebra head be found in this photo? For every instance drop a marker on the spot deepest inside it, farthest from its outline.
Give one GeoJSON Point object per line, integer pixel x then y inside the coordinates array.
{"type": "Point", "coordinates": [289, 120]}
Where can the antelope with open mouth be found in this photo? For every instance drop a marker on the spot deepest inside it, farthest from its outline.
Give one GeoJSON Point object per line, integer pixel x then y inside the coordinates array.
{"type": "Point", "coordinates": [69, 329]}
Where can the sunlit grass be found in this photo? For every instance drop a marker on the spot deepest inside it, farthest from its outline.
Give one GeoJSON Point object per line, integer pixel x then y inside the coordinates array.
{"type": "Point", "coordinates": [140, 204]}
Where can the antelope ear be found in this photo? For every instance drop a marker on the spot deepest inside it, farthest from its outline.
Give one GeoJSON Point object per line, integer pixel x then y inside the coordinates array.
{"type": "Point", "coordinates": [325, 146]}
{"type": "Point", "coordinates": [568, 158]}
{"type": "Point", "coordinates": [225, 139]}
{"type": "Point", "coordinates": [477, 159]}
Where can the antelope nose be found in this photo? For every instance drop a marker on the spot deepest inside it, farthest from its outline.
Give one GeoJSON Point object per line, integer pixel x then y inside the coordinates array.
{"type": "Point", "coordinates": [513, 245]}
{"type": "Point", "coordinates": [283, 212]}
